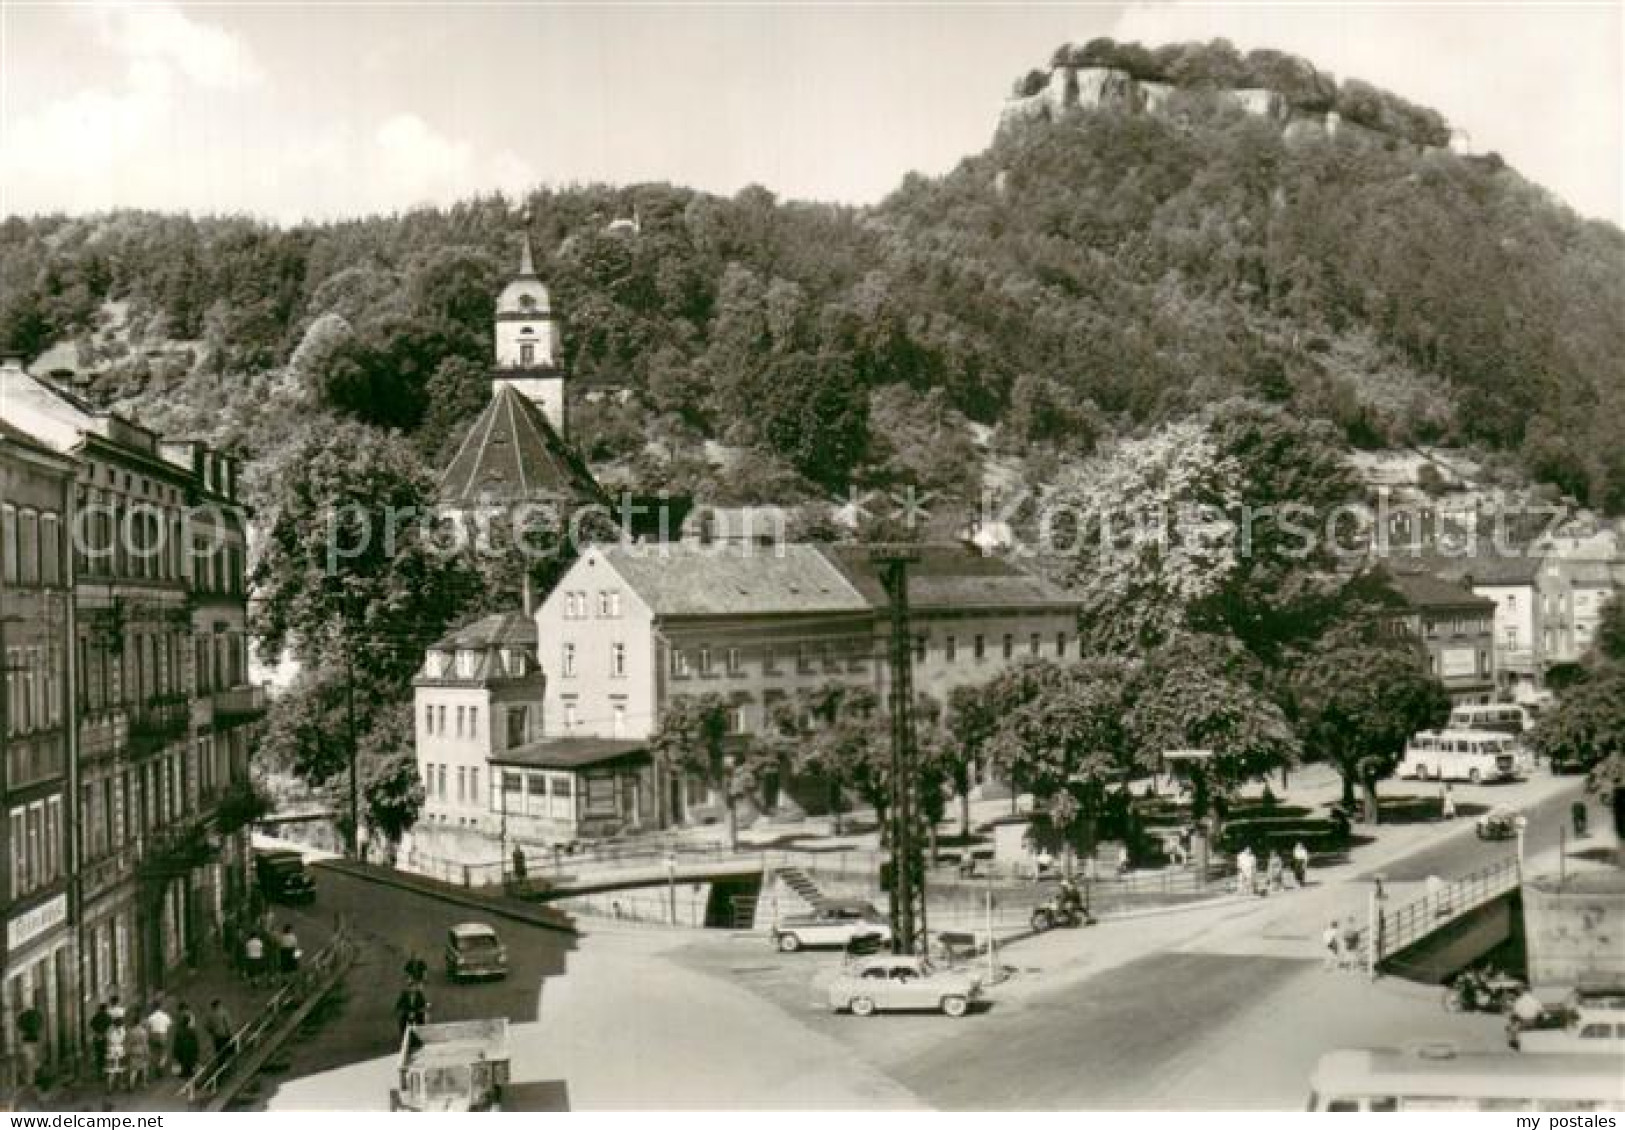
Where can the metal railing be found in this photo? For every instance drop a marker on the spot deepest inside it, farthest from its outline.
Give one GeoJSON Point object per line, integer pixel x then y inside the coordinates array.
{"type": "Point", "coordinates": [1393, 930]}
{"type": "Point", "coordinates": [315, 977]}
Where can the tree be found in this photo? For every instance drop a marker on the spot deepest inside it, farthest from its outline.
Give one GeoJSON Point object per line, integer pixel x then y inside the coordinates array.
{"type": "Point", "coordinates": [1065, 742]}
{"type": "Point", "coordinates": [351, 567]}
{"type": "Point", "coordinates": [693, 737]}
{"type": "Point", "coordinates": [1196, 693]}
{"type": "Point", "coordinates": [1358, 697]}
{"type": "Point", "coordinates": [1588, 724]}
{"type": "Point", "coordinates": [392, 797]}
{"type": "Point", "coordinates": [1610, 642]}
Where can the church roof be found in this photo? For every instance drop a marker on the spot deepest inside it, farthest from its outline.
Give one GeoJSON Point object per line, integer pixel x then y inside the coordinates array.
{"type": "Point", "coordinates": [512, 454]}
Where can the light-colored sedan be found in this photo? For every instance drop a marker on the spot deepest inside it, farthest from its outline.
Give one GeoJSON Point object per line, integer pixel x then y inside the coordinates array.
{"type": "Point", "coordinates": [834, 923]}
{"type": "Point", "coordinates": [898, 983]}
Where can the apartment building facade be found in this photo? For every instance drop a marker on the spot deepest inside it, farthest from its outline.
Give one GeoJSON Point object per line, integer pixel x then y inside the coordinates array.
{"type": "Point", "coordinates": [1454, 628]}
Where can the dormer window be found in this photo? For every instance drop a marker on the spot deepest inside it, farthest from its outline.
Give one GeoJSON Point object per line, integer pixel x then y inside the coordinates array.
{"type": "Point", "coordinates": [437, 664]}
{"type": "Point", "coordinates": [465, 664]}
{"type": "Point", "coordinates": [514, 661]}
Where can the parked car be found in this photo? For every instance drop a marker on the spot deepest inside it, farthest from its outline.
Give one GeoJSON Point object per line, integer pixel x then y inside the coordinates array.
{"type": "Point", "coordinates": [1499, 823]}
{"type": "Point", "coordinates": [835, 922]}
{"type": "Point", "coordinates": [283, 877]}
{"type": "Point", "coordinates": [474, 950]}
{"type": "Point", "coordinates": [1590, 1026]}
{"type": "Point", "coordinates": [900, 982]}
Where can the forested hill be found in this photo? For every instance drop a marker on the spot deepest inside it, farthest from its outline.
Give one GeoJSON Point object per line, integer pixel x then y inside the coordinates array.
{"type": "Point", "coordinates": [1088, 274]}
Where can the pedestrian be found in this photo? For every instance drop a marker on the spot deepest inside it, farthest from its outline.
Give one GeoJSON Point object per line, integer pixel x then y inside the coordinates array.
{"type": "Point", "coordinates": [411, 1007]}
{"type": "Point", "coordinates": [30, 1025]}
{"type": "Point", "coordinates": [1447, 804]}
{"type": "Point", "coordinates": [254, 957]}
{"type": "Point", "coordinates": [187, 1044]}
{"type": "Point", "coordinates": [1351, 944]}
{"type": "Point", "coordinates": [287, 947]}
{"type": "Point", "coordinates": [100, 1022]}
{"type": "Point", "coordinates": [1331, 939]}
{"type": "Point", "coordinates": [1044, 862]}
{"type": "Point", "coordinates": [1276, 871]}
{"type": "Point", "coordinates": [159, 1024]}
{"type": "Point", "coordinates": [1577, 813]}
{"type": "Point", "coordinates": [220, 1028]}
{"type": "Point", "coordinates": [117, 1040]}
{"type": "Point", "coordinates": [1122, 860]}
{"type": "Point", "coordinates": [138, 1056]}
{"type": "Point", "coordinates": [1300, 863]}
{"type": "Point", "coordinates": [416, 969]}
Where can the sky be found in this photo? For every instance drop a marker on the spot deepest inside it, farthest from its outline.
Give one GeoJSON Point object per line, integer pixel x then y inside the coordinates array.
{"type": "Point", "coordinates": [318, 111]}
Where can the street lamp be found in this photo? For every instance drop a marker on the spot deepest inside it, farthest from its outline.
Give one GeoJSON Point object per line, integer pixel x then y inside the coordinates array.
{"type": "Point", "coordinates": [671, 884]}
{"type": "Point", "coordinates": [1520, 824]}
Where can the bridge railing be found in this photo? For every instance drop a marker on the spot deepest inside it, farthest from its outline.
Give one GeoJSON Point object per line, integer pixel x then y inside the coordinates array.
{"type": "Point", "coordinates": [1395, 929]}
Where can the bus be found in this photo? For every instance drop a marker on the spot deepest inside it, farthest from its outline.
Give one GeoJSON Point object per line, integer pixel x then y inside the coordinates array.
{"type": "Point", "coordinates": [1461, 755]}
{"type": "Point", "coordinates": [1498, 717]}
{"type": "Point", "coordinates": [1437, 1077]}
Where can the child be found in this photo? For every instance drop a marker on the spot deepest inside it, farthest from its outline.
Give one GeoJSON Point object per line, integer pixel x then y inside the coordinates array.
{"type": "Point", "coordinates": [117, 1039]}
{"type": "Point", "coordinates": [138, 1051]}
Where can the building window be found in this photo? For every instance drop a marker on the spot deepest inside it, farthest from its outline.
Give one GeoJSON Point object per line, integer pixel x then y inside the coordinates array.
{"type": "Point", "coordinates": [1009, 645]}
{"type": "Point", "coordinates": [979, 647]}
{"type": "Point", "coordinates": [1033, 645]}
{"type": "Point", "coordinates": [428, 720]}
{"type": "Point", "coordinates": [8, 542]}
{"type": "Point", "coordinates": [567, 661]}
{"type": "Point", "coordinates": [462, 784]}
{"type": "Point", "coordinates": [1060, 645]}
{"type": "Point", "coordinates": [473, 721]}
{"type": "Point", "coordinates": [617, 660]}
{"type": "Point", "coordinates": [527, 353]}
{"type": "Point", "coordinates": [440, 720]}
{"type": "Point", "coordinates": [440, 773]}
{"type": "Point", "coordinates": [770, 665]}
{"type": "Point", "coordinates": [609, 603]}
{"type": "Point", "coordinates": [949, 649]}
{"type": "Point", "coordinates": [736, 719]}
{"type": "Point", "coordinates": [803, 663]}
{"type": "Point", "coordinates": [919, 649]}
{"type": "Point", "coordinates": [705, 662]}
{"type": "Point", "coordinates": [679, 663]}
{"type": "Point", "coordinates": [461, 714]}
{"type": "Point", "coordinates": [50, 551]}
{"type": "Point", "coordinates": [618, 719]}
{"type": "Point", "coordinates": [733, 661]}
{"type": "Point", "coordinates": [569, 715]}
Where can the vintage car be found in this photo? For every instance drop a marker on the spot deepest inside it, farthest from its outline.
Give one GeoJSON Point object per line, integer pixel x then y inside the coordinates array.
{"type": "Point", "coordinates": [834, 922]}
{"type": "Point", "coordinates": [899, 982]}
{"type": "Point", "coordinates": [1499, 823]}
{"type": "Point", "coordinates": [474, 950]}
{"type": "Point", "coordinates": [1589, 1023]}
{"type": "Point", "coordinates": [282, 876]}
{"type": "Point", "coordinates": [457, 1066]}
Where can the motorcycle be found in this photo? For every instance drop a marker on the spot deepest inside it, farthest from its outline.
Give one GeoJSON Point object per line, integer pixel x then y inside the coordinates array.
{"type": "Point", "coordinates": [1061, 909]}
{"type": "Point", "coordinates": [1481, 991]}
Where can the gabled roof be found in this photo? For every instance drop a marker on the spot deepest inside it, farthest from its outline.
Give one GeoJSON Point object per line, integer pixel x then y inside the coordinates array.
{"type": "Point", "coordinates": [1490, 569]}
{"type": "Point", "coordinates": [501, 629]}
{"type": "Point", "coordinates": [513, 454]}
{"type": "Point", "coordinates": [951, 576]}
{"type": "Point", "coordinates": [733, 579]}
{"type": "Point", "coordinates": [1424, 590]}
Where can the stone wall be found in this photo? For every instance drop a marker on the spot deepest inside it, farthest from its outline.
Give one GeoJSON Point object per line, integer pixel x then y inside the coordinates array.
{"type": "Point", "coordinates": [1575, 930]}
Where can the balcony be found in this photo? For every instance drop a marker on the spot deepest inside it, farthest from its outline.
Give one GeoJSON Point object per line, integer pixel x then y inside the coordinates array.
{"type": "Point", "coordinates": [158, 722]}
{"type": "Point", "coordinates": [239, 704]}
{"type": "Point", "coordinates": [102, 733]}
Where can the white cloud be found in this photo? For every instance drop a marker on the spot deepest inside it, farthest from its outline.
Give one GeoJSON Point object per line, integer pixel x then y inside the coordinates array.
{"type": "Point", "coordinates": [1540, 84]}
{"type": "Point", "coordinates": [409, 162]}
{"type": "Point", "coordinates": [160, 40]}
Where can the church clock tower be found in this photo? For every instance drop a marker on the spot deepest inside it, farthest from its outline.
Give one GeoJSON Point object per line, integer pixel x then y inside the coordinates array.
{"type": "Point", "coordinates": [527, 343]}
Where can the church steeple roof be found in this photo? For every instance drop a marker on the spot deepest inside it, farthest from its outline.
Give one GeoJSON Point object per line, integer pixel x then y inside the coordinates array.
{"type": "Point", "coordinates": [513, 454]}
{"type": "Point", "coordinates": [527, 261]}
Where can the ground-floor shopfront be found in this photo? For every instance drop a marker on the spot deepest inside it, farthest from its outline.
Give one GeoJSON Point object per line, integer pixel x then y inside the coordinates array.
{"type": "Point", "coordinates": [38, 997]}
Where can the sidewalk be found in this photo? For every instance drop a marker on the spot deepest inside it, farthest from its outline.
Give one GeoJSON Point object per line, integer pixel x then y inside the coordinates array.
{"type": "Point", "coordinates": [214, 978]}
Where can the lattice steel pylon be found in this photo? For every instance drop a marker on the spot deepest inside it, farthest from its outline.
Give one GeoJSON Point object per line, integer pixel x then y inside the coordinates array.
{"type": "Point", "coordinates": [907, 865]}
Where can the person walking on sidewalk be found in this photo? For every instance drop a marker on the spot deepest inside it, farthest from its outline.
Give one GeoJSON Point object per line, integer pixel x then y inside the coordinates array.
{"type": "Point", "coordinates": [158, 1025]}
{"type": "Point", "coordinates": [1447, 804]}
{"type": "Point", "coordinates": [99, 1024]}
{"type": "Point", "coordinates": [254, 957]}
{"type": "Point", "coordinates": [138, 1052]}
{"type": "Point", "coordinates": [187, 1044]}
{"type": "Point", "coordinates": [117, 1045]}
{"type": "Point", "coordinates": [287, 949]}
{"type": "Point", "coordinates": [1300, 864]}
{"type": "Point", "coordinates": [220, 1028]}
{"type": "Point", "coordinates": [1331, 940]}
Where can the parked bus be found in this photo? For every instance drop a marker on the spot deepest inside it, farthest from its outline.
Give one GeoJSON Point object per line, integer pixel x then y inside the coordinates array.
{"type": "Point", "coordinates": [1498, 717]}
{"type": "Point", "coordinates": [1461, 755]}
{"type": "Point", "coordinates": [1437, 1077]}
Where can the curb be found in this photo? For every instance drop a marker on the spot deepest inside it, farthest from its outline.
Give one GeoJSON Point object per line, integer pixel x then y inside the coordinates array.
{"type": "Point", "coordinates": [506, 908]}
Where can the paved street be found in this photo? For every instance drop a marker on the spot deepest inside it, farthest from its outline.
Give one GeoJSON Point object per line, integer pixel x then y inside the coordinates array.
{"type": "Point", "coordinates": [392, 923]}
{"type": "Point", "coordinates": [1219, 1005]}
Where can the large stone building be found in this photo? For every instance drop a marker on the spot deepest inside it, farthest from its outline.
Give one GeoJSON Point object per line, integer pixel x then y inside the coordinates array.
{"type": "Point", "coordinates": [37, 952]}
{"type": "Point", "coordinates": [1453, 627]}
{"type": "Point", "coordinates": [160, 704]}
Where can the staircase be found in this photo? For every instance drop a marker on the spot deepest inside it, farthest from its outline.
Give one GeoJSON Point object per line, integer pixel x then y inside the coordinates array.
{"type": "Point", "coordinates": [801, 883]}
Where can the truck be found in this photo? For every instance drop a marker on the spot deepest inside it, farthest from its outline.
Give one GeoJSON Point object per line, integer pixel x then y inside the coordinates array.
{"type": "Point", "coordinates": [459, 1065]}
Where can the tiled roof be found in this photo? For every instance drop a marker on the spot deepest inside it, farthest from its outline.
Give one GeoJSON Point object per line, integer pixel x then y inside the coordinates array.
{"type": "Point", "coordinates": [501, 629]}
{"type": "Point", "coordinates": [723, 579]}
{"type": "Point", "coordinates": [1493, 569]}
{"type": "Point", "coordinates": [513, 454]}
{"type": "Point", "coordinates": [951, 576]}
{"type": "Point", "coordinates": [572, 753]}
{"type": "Point", "coordinates": [1424, 590]}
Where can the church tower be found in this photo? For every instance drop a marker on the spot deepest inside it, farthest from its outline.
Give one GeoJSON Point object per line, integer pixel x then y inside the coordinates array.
{"type": "Point", "coordinates": [527, 343]}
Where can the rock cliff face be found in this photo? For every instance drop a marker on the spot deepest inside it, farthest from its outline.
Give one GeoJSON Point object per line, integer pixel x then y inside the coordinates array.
{"type": "Point", "coordinates": [1074, 89]}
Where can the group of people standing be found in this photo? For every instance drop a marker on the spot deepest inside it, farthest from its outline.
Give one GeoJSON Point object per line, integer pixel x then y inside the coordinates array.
{"type": "Point", "coordinates": [266, 958]}
{"type": "Point", "coordinates": [1249, 881]}
{"type": "Point", "coordinates": [138, 1046]}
